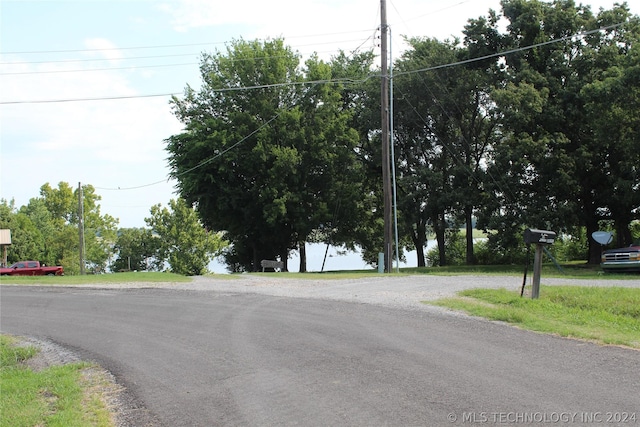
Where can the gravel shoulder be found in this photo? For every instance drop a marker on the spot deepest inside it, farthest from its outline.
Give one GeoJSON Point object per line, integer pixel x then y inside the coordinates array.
{"type": "Point", "coordinates": [391, 291]}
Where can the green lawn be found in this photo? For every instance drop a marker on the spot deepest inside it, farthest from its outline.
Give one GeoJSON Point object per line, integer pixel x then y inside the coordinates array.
{"type": "Point", "coordinates": [64, 396]}
{"type": "Point", "coordinates": [608, 315]}
{"type": "Point", "coordinates": [577, 270]}
{"type": "Point", "coordinates": [141, 276]}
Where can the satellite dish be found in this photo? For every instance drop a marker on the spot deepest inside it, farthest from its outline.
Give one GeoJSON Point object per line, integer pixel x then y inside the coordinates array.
{"type": "Point", "coordinates": [602, 237]}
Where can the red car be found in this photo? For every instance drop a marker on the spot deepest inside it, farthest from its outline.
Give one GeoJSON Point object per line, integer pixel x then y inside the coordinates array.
{"type": "Point", "coordinates": [31, 268]}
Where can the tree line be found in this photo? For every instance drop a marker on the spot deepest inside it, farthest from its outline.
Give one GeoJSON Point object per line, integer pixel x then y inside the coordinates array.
{"type": "Point", "coordinates": [47, 229]}
{"type": "Point", "coordinates": [530, 120]}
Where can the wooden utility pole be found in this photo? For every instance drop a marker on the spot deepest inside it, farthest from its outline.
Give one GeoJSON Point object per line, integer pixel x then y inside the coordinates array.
{"type": "Point", "coordinates": [81, 227]}
{"type": "Point", "coordinates": [386, 163]}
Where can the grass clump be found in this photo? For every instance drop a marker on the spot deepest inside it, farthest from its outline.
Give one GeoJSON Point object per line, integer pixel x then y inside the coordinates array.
{"type": "Point", "coordinates": [604, 315]}
{"type": "Point", "coordinates": [61, 395]}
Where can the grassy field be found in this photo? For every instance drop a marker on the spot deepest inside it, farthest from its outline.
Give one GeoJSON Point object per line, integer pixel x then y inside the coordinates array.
{"type": "Point", "coordinates": [577, 270]}
{"type": "Point", "coordinates": [141, 276]}
{"type": "Point", "coordinates": [609, 315]}
{"type": "Point", "coordinates": [58, 396]}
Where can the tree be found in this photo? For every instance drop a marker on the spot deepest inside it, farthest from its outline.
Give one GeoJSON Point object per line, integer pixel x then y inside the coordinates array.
{"type": "Point", "coordinates": [60, 227]}
{"type": "Point", "coordinates": [445, 125]}
{"type": "Point", "coordinates": [267, 165]}
{"type": "Point", "coordinates": [26, 239]}
{"type": "Point", "coordinates": [136, 250]}
{"type": "Point", "coordinates": [184, 243]}
{"type": "Point", "coordinates": [46, 229]}
{"type": "Point", "coordinates": [613, 108]}
{"type": "Point", "coordinates": [552, 166]}
{"type": "Point", "coordinates": [361, 224]}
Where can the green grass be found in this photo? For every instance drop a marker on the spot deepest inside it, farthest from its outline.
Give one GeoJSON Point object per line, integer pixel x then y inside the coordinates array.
{"type": "Point", "coordinates": [57, 396]}
{"type": "Point", "coordinates": [605, 315]}
{"type": "Point", "coordinates": [572, 270]}
{"type": "Point", "coordinates": [575, 270]}
{"type": "Point", "coordinates": [141, 276]}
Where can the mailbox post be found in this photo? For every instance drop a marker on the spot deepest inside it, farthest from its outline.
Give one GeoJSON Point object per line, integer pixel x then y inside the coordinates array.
{"type": "Point", "coordinates": [539, 238]}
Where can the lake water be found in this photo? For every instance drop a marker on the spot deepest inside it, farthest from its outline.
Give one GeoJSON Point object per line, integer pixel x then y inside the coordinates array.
{"type": "Point", "coordinates": [336, 259]}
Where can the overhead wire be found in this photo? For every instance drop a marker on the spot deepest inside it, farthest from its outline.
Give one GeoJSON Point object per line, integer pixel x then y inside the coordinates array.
{"type": "Point", "coordinates": [133, 67]}
{"type": "Point", "coordinates": [397, 74]}
{"type": "Point", "coordinates": [199, 165]}
{"type": "Point", "coordinates": [343, 80]}
{"type": "Point", "coordinates": [446, 112]}
{"type": "Point", "coordinates": [86, 70]}
{"type": "Point", "coordinates": [507, 192]}
{"type": "Point", "coordinates": [512, 51]}
{"type": "Point", "coordinates": [165, 46]}
{"type": "Point", "coordinates": [125, 58]}
{"type": "Point", "coordinates": [130, 67]}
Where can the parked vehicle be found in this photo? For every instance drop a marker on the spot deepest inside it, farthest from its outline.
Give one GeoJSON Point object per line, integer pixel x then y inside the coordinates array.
{"type": "Point", "coordinates": [31, 268]}
{"type": "Point", "coordinates": [622, 259]}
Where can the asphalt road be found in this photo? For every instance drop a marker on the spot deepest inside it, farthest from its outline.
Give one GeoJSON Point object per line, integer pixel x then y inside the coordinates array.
{"type": "Point", "coordinates": [209, 358]}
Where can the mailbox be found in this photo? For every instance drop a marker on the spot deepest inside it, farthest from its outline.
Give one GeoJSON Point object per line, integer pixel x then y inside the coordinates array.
{"type": "Point", "coordinates": [539, 237]}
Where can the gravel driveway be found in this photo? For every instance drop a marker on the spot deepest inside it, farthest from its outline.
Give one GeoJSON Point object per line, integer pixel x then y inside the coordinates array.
{"type": "Point", "coordinates": [394, 291]}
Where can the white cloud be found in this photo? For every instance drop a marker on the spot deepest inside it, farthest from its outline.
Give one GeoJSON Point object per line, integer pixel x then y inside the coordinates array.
{"type": "Point", "coordinates": [105, 143]}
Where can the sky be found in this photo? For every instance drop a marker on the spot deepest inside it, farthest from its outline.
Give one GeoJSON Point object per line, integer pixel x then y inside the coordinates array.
{"type": "Point", "coordinates": [85, 85]}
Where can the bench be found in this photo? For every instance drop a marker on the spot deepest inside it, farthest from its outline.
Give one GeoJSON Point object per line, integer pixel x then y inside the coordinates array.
{"type": "Point", "coordinates": [276, 265]}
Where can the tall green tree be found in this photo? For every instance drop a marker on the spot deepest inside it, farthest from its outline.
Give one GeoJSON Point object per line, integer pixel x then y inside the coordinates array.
{"type": "Point", "coordinates": [183, 242]}
{"type": "Point", "coordinates": [62, 235]}
{"type": "Point", "coordinates": [266, 154]}
{"type": "Point", "coordinates": [445, 125]}
{"type": "Point", "coordinates": [26, 239]}
{"type": "Point", "coordinates": [361, 223]}
{"type": "Point", "coordinates": [553, 160]}
{"type": "Point", "coordinates": [612, 104]}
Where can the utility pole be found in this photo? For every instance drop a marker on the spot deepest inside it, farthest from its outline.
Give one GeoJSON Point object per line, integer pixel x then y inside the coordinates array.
{"type": "Point", "coordinates": [81, 227]}
{"type": "Point", "coordinates": [386, 164]}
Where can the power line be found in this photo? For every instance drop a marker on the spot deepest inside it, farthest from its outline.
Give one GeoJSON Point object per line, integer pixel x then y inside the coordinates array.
{"type": "Point", "coordinates": [421, 70]}
{"type": "Point", "coordinates": [99, 59]}
{"type": "Point", "coordinates": [102, 98]}
{"type": "Point", "coordinates": [107, 49]}
{"type": "Point", "coordinates": [163, 46]}
{"type": "Point", "coordinates": [511, 51]}
{"type": "Point", "coordinates": [130, 67]}
{"type": "Point", "coordinates": [220, 90]}
{"type": "Point", "coordinates": [199, 165]}
{"type": "Point", "coordinates": [140, 66]}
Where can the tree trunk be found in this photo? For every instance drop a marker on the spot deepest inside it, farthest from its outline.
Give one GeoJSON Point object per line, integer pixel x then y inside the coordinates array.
{"type": "Point", "coordinates": [623, 233]}
{"type": "Point", "coordinates": [595, 250]}
{"type": "Point", "coordinates": [419, 241]}
{"type": "Point", "coordinates": [256, 261]}
{"type": "Point", "coordinates": [303, 256]}
{"type": "Point", "coordinates": [284, 257]}
{"type": "Point", "coordinates": [439, 228]}
{"type": "Point", "coordinates": [467, 216]}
